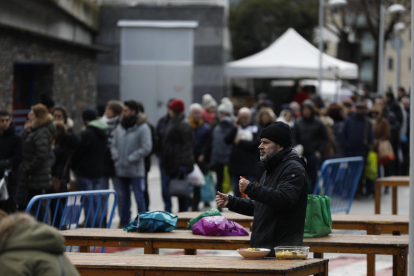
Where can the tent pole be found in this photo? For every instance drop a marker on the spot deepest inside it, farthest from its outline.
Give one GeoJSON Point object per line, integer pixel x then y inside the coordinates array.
{"type": "Point", "coordinates": [411, 143]}
{"type": "Point", "coordinates": [321, 20]}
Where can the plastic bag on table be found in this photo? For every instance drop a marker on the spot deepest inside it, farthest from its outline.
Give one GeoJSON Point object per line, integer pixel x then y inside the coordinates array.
{"type": "Point", "coordinates": [150, 222]}
{"type": "Point", "coordinates": [209, 213]}
{"type": "Point", "coordinates": [218, 226]}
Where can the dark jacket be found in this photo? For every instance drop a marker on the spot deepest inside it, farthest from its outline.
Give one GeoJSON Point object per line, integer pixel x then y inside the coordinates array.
{"type": "Point", "coordinates": [161, 130]}
{"type": "Point", "coordinates": [201, 136]}
{"type": "Point", "coordinates": [311, 134]}
{"type": "Point", "coordinates": [63, 151]}
{"type": "Point", "coordinates": [178, 146]}
{"type": "Point", "coordinates": [31, 248]}
{"type": "Point", "coordinates": [36, 167]}
{"type": "Point", "coordinates": [357, 134]}
{"type": "Point", "coordinates": [220, 150]}
{"type": "Point", "coordinates": [10, 154]}
{"type": "Point", "coordinates": [244, 157]}
{"type": "Point", "coordinates": [88, 159]}
{"type": "Point", "coordinates": [278, 202]}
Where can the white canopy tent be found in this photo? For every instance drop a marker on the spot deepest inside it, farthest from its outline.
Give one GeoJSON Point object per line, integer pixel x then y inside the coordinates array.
{"type": "Point", "coordinates": [293, 57]}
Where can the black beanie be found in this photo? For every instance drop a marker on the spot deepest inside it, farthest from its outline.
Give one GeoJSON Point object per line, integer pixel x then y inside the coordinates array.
{"type": "Point", "coordinates": [278, 132]}
{"type": "Point", "coordinates": [89, 114]}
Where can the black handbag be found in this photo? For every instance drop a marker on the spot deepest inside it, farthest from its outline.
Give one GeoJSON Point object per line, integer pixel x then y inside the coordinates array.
{"type": "Point", "coordinates": [180, 185]}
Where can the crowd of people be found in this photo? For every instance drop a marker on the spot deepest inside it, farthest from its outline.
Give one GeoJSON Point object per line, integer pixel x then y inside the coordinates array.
{"type": "Point", "coordinates": [117, 145]}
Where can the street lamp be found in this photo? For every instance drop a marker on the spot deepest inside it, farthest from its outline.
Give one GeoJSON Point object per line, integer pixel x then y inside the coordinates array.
{"type": "Point", "coordinates": [322, 5]}
{"type": "Point", "coordinates": [393, 9]}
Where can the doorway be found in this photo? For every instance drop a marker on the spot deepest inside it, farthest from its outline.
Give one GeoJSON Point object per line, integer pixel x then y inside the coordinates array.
{"type": "Point", "coordinates": [30, 81]}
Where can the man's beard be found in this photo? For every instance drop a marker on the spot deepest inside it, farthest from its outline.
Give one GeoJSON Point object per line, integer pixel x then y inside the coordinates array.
{"type": "Point", "coordinates": [268, 155]}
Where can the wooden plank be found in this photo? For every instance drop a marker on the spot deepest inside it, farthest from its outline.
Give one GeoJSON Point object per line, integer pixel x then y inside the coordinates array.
{"type": "Point", "coordinates": [210, 264]}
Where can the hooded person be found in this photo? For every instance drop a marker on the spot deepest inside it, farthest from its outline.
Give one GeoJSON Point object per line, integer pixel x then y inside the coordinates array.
{"type": "Point", "coordinates": [35, 175]}
{"type": "Point", "coordinates": [278, 203]}
{"type": "Point", "coordinates": [32, 248]}
{"type": "Point", "coordinates": [209, 109]}
{"type": "Point", "coordinates": [287, 116]}
{"type": "Point", "coordinates": [311, 134]}
{"type": "Point", "coordinates": [130, 145]}
{"type": "Point", "coordinates": [89, 158]}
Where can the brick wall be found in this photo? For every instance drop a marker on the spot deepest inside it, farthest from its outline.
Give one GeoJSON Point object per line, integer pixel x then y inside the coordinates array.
{"type": "Point", "coordinates": [74, 70]}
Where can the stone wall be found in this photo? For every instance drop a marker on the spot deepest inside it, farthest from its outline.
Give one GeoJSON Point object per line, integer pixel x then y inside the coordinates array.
{"type": "Point", "coordinates": [74, 69]}
{"type": "Point", "coordinates": [208, 41]}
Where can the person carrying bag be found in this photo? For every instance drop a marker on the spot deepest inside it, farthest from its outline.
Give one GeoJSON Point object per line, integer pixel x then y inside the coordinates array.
{"type": "Point", "coordinates": [318, 222]}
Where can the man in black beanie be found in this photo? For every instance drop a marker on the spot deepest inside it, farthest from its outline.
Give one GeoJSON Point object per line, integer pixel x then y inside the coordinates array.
{"type": "Point", "coordinates": [278, 202]}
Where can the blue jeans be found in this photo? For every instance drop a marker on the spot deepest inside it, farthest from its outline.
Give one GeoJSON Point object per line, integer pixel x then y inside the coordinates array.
{"type": "Point", "coordinates": [95, 214]}
{"type": "Point", "coordinates": [122, 187]}
{"type": "Point", "coordinates": [165, 188]}
{"type": "Point", "coordinates": [234, 179]}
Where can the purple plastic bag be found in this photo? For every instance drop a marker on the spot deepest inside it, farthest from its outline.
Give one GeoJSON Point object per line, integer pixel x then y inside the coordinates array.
{"type": "Point", "coordinates": [218, 226]}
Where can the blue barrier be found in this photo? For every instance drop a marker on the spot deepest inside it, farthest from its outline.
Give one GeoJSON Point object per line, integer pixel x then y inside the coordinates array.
{"type": "Point", "coordinates": [68, 209]}
{"type": "Point", "coordinates": [339, 180]}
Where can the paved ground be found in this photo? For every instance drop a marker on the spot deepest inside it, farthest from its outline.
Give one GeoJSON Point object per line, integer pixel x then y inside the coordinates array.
{"type": "Point", "coordinates": [340, 264]}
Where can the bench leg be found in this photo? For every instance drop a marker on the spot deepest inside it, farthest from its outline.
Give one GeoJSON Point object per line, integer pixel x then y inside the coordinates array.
{"type": "Point", "coordinates": [149, 248]}
{"type": "Point", "coordinates": [377, 198]}
{"type": "Point", "coordinates": [400, 263]}
{"type": "Point", "coordinates": [370, 264]}
{"type": "Point", "coordinates": [317, 255]}
{"type": "Point", "coordinates": [394, 201]}
{"type": "Point", "coordinates": [85, 249]}
{"type": "Point", "coordinates": [190, 251]}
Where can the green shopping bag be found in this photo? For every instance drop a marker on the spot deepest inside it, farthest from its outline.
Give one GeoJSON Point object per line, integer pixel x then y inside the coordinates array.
{"type": "Point", "coordinates": [226, 180]}
{"type": "Point", "coordinates": [209, 213]}
{"type": "Point", "coordinates": [371, 166]}
{"type": "Point", "coordinates": [318, 222]}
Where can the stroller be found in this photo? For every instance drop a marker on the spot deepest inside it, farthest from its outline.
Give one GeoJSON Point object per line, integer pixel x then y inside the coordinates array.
{"type": "Point", "coordinates": [7, 202]}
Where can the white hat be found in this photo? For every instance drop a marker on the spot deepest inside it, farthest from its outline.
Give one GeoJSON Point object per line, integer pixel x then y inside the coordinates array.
{"type": "Point", "coordinates": [208, 101]}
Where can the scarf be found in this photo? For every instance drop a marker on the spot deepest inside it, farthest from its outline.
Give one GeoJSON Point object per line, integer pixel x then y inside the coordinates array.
{"type": "Point", "coordinates": [208, 117]}
{"type": "Point", "coordinates": [195, 124]}
{"type": "Point", "coordinates": [129, 122]}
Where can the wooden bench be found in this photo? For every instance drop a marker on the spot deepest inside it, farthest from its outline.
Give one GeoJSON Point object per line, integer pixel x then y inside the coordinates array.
{"type": "Point", "coordinates": [184, 239]}
{"type": "Point", "coordinates": [185, 217]}
{"type": "Point", "coordinates": [391, 181]}
{"type": "Point", "coordinates": [150, 265]}
{"type": "Point", "coordinates": [373, 224]}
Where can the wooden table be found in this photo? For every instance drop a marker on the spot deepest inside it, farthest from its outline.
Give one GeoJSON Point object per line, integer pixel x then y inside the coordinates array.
{"type": "Point", "coordinates": [185, 217]}
{"type": "Point", "coordinates": [391, 181]}
{"type": "Point", "coordinates": [373, 224]}
{"type": "Point", "coordinates": [89, 264]}
{"type": "Point", "coordinates": [184, 239]}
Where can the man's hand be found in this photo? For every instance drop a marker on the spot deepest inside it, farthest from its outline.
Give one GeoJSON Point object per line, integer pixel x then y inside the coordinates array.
{"type": "Point", "coordinates": [222, 200]}
{"type": "Point", "coordinates": [318, 155]}
{"type": "Point", "coordinates": [243, 182]}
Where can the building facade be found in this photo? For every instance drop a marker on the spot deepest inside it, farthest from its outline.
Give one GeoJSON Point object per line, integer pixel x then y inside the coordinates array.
{"type": "Point", "coordinates": [47, 47]}
{"type": "Point", "coordinates": [152, 22]}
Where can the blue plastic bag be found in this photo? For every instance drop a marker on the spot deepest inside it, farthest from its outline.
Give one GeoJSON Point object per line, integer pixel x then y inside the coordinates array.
{"type": "Point", "coordinates": [208, 191]}
{"type": "Point", "coordinates": [155, 221]}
